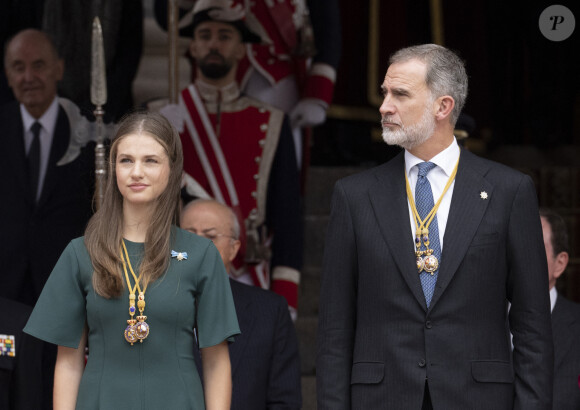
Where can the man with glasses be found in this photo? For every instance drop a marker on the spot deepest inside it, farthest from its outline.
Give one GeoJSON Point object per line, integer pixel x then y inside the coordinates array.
{"type": "Point", "coordinates": [265, 361]}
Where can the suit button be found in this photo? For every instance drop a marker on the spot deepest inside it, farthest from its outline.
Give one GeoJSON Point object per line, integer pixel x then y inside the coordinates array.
{"type": "Point", "coordinates": [421, 363]}
{"type": "Point", "coordinates": [428, 324]}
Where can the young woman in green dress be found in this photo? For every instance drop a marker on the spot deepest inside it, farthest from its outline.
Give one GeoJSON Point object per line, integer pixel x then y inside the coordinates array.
{"type": "Point", "coordinates": [134, 288]}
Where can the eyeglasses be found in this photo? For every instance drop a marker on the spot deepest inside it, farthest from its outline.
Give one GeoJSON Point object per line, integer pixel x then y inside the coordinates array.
{"type": "Point", "coordinates": [214, 236]}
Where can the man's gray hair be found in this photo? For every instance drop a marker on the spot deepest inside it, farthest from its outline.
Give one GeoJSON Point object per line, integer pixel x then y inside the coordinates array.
{"type": "Point", "coordinates": [446, 73]}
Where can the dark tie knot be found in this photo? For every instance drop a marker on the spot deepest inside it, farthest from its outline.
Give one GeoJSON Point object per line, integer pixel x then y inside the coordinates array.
{"type": "Point", "coordinates": [35, 128]}
{"type": "Point", "coordinates": [425, 167]}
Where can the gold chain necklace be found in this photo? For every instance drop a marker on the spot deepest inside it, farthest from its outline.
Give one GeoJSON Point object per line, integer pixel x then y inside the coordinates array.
{"type": "Point", "coordinates": [136, 329]}
{"type": "Point", "coordinates": [425, 259]}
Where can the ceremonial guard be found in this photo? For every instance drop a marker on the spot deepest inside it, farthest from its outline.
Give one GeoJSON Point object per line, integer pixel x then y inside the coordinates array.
{"type": "Point", "coordinates": [289, 38]}
{"type": "Point", "coordinates": [293, 66]}
{"type": "Point", "coordinates": [240, 150]}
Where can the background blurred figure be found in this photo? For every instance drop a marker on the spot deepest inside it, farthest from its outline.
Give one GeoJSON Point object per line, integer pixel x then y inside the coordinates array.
{"type": "Point", "coordinates": [51, 184]}
{"type": "Point", "coordinates": [240, 151]}
{"type": "Point", "coordinates": [294, 65]}
{"type": "Point", "coordinates": [265, 361]}
{"type": "Point", "coordinates": [48, 178]}
{"type": "Point", "coordinates": [565, 316]}
{"type": "Point", "coordinates": [16, 15]}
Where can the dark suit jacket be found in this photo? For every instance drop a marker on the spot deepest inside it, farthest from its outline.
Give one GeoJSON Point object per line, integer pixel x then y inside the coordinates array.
{"type": "Point", "coordinates": [378, 343]}
{"type": "Point", "coordinates": [264, 358]}
{"type": "Point", "coordinates": [21, 386]}
{"type": "Point", "coordinates": [33, 236]}
{"type": "Point", "coordinates": [566, 331]}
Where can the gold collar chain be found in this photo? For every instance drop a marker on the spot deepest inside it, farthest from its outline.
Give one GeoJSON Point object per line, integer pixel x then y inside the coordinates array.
{"type": "Point", "coordinates": [425, 259]}
{"type": "Point", "coordinates": [136, 329]}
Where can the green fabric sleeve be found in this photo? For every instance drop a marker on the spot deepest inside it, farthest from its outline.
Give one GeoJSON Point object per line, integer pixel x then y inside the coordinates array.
{"type": "Point", "coordinates": [216, 315]}
{"type": "Point", "coordinates": [60, 315]}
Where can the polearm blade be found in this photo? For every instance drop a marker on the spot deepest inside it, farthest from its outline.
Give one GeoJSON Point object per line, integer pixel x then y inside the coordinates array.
{"type": "Point", "coordinates": [98, 73]}
{"type": "Point", "coordinates": [173, 38]}
{"type": "Point", "coordinates": [98, 98]}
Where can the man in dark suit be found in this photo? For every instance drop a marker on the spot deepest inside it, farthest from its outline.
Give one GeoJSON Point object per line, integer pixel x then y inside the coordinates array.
{"type": "Point", "coordinates": [422, 255]}
{"type": "Point", "coordinates": [265, 361]}
{"type": "Point", "coordinates": [565, 315]}
{"type": "Point", "coordinates": [46, 185]}
{"type": "Point", "coordinates": [21, 386]}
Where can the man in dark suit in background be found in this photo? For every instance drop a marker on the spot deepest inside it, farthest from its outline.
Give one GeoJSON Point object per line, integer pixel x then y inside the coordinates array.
{"type": "Point", "coordinates": [45, 176]}
{"type": "Point", "coordinates": [414, 291]}
{"type": "Point", "coordinates": [565, 315]}
{"type": "Point", "coordinates": [46, 186]}
{"type": "Point", "coordinates": [265, 361]}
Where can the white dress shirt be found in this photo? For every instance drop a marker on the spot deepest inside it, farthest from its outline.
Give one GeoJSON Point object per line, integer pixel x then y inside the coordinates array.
{"type": "Point", "coordinates": [48, 123]}
{"type": "Point", "coordinates": [553, 297]}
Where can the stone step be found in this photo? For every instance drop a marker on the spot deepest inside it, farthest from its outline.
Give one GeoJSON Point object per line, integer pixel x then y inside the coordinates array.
{"type": "Point", "coordinates": [314, 237]}
{"type": "Point", "coordinates": [317, 197]}
{"type": "Point", "coordinates": [306, 330]}
{"type": "Point", "coordinates": [319, 186]}
{"type": "Point", "coordinates": [152, 79]}
{"type": "Point", "coordinates": [309, 291]}
{"type": "Point", "coordinates": [308, 393]}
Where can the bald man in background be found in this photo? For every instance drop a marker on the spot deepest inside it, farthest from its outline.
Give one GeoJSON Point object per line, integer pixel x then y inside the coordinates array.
{"type": "Point", "coordinates": [265, 360]}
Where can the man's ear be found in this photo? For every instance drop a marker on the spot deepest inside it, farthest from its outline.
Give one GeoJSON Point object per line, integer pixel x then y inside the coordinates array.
{"type": "Point", "coordinates": [444, 105]}
{"type": "Point", "coordinates": [60, 69]}
{"type": "Point", "coordinates": [561, 261]}
{"type": "Point", "coordinates": [240, 51]}
{"type": "Point", "coordinates": [235, 248]}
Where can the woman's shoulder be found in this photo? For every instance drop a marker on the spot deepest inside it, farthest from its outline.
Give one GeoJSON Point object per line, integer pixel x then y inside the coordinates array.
{"type": "Point", "coordinates": [78, 246]}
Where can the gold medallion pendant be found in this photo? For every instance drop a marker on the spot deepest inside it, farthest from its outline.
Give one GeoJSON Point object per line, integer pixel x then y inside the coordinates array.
{"type": "Point", "coordinates": [420, 263]}
{"type": "Point", "coordinates": [130, 334]}
{"type": "Point", "coordinates": [430, 264]}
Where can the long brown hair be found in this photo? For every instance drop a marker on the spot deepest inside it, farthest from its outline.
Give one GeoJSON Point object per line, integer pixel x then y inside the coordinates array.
{"type": "Point", "coordinates": [105, 229]}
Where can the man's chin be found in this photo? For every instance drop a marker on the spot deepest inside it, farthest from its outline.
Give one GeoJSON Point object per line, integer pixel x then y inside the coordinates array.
{"type": "Point", "coordinates": [391, 138]}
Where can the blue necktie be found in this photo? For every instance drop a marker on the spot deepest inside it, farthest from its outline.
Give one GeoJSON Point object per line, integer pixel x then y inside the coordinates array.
{"type": "Point", "coordinates": [424, 203]}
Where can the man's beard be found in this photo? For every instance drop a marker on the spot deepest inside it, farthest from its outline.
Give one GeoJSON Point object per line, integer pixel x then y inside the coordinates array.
{"type": "Point", "coordinates": [409, 137]}
{"type": "Point", "coordinates": [215, 70]}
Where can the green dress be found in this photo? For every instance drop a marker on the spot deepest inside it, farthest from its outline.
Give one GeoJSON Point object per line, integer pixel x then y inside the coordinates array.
{"type": "Point", "coordinates": [159, 373]}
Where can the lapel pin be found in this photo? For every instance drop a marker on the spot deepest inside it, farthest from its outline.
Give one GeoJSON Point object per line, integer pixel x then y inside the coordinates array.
{"type": "Point", "coordinates": [483, 195]}
{"type": "Point", "coordinates": [179, 255]}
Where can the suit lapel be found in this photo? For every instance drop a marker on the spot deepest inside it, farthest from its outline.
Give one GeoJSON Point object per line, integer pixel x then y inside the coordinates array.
{"type": "Point", "coordinates": [562, 323]}
{"type": "Point", "coordinates": [246, 322]}
{"type": "Point", "coordinates": [465, 215]}
{"type": "Point", "coordinates": [16, 160]}
{"type": "Point", "coordinates": [388, 198]}
{"type": "Point", "coordinates": [60, 142]}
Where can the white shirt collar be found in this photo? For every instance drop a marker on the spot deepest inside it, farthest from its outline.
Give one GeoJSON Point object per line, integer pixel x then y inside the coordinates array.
{"type": "Point", "coordinates": [445, 160]}
{"type": "Point", "coordinates": [209, 93]}
{"type": "Point", "coordinates": [47, 120]}
{"type": "Point", "coordinates": [553, 297]}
